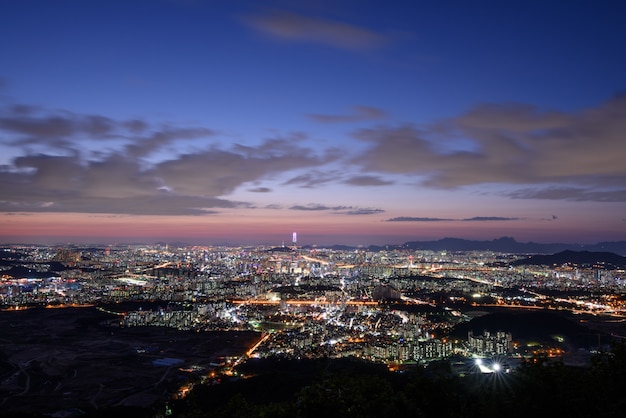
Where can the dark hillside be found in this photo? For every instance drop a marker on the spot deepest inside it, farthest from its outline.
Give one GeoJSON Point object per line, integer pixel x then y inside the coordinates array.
{"type": "Point", "coordinates": [586, 259]}
{"type": "Point", "coordinates": [541, 326]}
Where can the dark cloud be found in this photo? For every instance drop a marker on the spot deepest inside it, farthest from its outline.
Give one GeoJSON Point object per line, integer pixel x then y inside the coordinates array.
{"type": "Point", "coordinates": [476, 218]}
{"type": "Point", "coordinates": [312, 179]}
{"type": "Point", "coordinates": [68, 179]}
{"type": "Point", "coordinates": [414, 219]}
{"type": "Point", "coordinates": [115, 185]}
{"type": "Point", "coordinates": [260, 190]}
{"type": "Point", "coordinates": [360, 113]}
{"type": "Point", "coordinates": [143, 146]}
{"type": "Point", "coordinates": [342, 210]}
{"type": "Point", "coordinates": [488, 219]}
{"type": "Point", "coordinates": [31, 125]}
{"type": "Point", "coordinates": [218, 172]}
{"type": "Point", "coordinates": [363, 211]}
{"type": "Point", "coordinates": [508, 144]}
{"type": "Point", "coordinates": [136, 126]}
{"type": "Point", "coordinates": [316, 207]}
{"type": "Point", "coordinates": [570, 193]}
{"type": "Point", "coordinates": [31, 121]}
{"type": "Point", "coordinates": [294, 27]}
{"type": "Point", "coordinates": [367, 181]}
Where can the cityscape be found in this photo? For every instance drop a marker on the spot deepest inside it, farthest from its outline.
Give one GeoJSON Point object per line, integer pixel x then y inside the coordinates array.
{"type": "Point", "coordinates": [396, 307]}
{"type": "Point", "coordinates": [304, 208]}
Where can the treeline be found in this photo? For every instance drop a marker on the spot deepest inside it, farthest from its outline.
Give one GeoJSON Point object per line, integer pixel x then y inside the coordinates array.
{"type": "Point", "coordinates": [352, 388]}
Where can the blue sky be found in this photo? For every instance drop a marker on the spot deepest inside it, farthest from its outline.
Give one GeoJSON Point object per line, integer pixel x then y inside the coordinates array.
{"type": "Point", "coordinates": [240, 121]}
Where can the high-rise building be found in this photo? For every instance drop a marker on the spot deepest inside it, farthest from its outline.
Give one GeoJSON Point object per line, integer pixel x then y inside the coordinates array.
{"type": "Point", "coordinates": [490, 343]}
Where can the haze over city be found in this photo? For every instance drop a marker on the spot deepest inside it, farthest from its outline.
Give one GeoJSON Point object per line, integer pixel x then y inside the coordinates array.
{"type": "Point", "coordinates": [350, 123]}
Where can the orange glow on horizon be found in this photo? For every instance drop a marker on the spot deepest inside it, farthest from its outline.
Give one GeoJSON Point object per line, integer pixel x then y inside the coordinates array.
{"type": "Point", "coordinates": [245, 226]}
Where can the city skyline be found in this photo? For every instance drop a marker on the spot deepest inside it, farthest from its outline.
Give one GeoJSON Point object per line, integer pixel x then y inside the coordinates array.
{"type": "Point", "coordinates": [240, 122]}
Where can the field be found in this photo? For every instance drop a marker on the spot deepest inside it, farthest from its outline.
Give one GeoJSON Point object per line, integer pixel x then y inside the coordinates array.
{"type": "Point", "coordinates": [55, 359]}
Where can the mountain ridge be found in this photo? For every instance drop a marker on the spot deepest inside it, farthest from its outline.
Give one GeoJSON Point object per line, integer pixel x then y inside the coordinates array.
{"type": "Point", "coordinates": [507, 245]}
{"type": "Point", "coordinates": [502, 244]}
{"type": "Point", "coordinates": [602, 259]}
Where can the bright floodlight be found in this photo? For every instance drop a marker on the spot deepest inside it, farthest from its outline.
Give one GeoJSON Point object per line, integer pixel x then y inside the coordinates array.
{"type": "Point", "coordinates": [496, 367]}
{"type": "Point", "coordinates": [479, 361]}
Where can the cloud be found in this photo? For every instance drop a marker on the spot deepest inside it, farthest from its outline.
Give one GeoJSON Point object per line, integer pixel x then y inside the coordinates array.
{"type": "Point", "coordinates": [43, 129]}
{"type": "Point", "coordinates": [260, 190]}
{"type": "Point", "coordinates": [136, 205]}
{"type": "Point", "coordinates": [316, 207]}
{"type": "Point", "coordinates": [298, 28]}
{"type": "Point", "coordinates": [476, 218]}
{"type": "Point", "coordinates": [414, 219]}
{"type": "Point", "coordinates": [143, 146]}
{"type": "Point", "coordinates": [117, 179]}
{"type": "Point", "coordinates": [312, 179]}
{"type": "Point", "coordinates": [488, 219]}
{"type": "Point", "coordinates": [364, 211]}
{"type": "Point", "coordinates": [360, 113]}
{"type": "Point", "coordinates": [570, 193]}
{"type": "Point", "coordinates": [34, 122]}
{"type": "Point", "coordinates": [274, 206]}
{"type": "Point", "coordinates": [342, 210]}
{"type": "Point", "coordinates": [367, 180]}
{"type": "Point", "coordinates": [509, 144]}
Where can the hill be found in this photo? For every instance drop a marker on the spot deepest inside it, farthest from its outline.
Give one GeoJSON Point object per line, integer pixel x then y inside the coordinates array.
{"type": "Point", "coordinates": [605, 260]}
{"type": "Point", "coordinates": [525, 326]}
{"type": "Point", "coordinates": [510, 245]}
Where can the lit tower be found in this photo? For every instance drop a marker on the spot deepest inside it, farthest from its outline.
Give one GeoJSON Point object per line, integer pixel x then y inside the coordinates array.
{"type": "Point", "coordinates": [294, 241]}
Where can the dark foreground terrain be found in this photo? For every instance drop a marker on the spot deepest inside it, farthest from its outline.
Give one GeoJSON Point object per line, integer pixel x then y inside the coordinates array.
{"type": "Point", "coordinates": [69, 362]}
{"type": "Point", "coordinates": [352, 388]}
{"type": "Point", "coordinates": [52, 360]}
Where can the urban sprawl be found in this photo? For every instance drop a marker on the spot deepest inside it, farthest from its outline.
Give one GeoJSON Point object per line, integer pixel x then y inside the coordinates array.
{"type": "Point", "coordinates": [394, 306]}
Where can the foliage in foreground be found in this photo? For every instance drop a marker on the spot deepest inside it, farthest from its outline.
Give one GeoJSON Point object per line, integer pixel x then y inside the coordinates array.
{"type": "Point", "coordinates": [350, 388]}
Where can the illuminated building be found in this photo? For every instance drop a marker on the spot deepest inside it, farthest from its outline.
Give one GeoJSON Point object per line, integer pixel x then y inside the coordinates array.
{"type": "Point", "coordinates": [490, 343]}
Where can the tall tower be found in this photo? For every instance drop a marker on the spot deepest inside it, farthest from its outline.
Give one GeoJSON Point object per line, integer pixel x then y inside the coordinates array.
{"type": "Point", "coordinates": [294, 239]}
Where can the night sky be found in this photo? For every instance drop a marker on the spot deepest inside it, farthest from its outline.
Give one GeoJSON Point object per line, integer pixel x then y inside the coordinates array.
{"type": "Point", "coordinates": [349, 122]}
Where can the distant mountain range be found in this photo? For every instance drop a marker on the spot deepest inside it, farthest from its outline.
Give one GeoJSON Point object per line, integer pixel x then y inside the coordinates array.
{"type": "Point", "coordinates": [504, 245]}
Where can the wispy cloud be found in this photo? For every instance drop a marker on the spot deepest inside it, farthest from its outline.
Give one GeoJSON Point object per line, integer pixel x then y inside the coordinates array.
{"type": "Point", "coordinates": [488, 219]}
{"type": "Point", "coordinates": [570, 193]}
{"type": "Point", "coordinates": [359, 114]}
{"type": "Point", "coordinates": [313, 179]}
{"type": "Point", "coordinates": [28, 121]}
{"type": "Point", "coordinates": [367, 180]}
{"type": "Point", "coordinates": [473, 219]}
{"type": "Point", "coordinates": [260, 190]}
{"type": "Point", "coordinates": [416, 219]}
{"type": "Point", "coordinates": [299, 28]}
{"type": "Point", "coordinates": [318, 207]}
{"type": "Point", "coordinates": [342, 210]}
{"type": "Point", "coordinates": [363, 211]}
